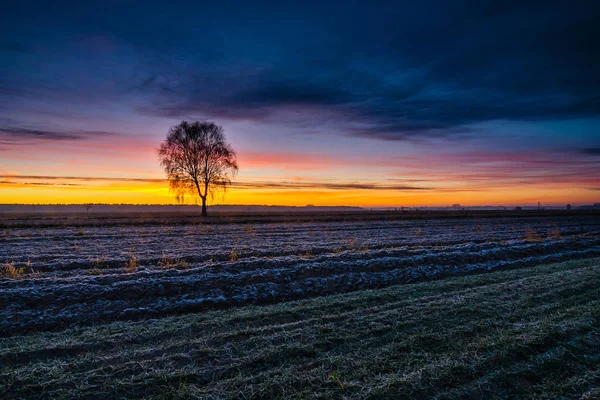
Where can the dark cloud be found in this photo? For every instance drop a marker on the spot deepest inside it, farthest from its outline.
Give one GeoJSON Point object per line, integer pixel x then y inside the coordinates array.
{"type": "Point", "coordinates": [420, 71]}
{"type": "Point", "coordinates": [590, 151]}
{"type": "Point", "coordinates": [17, 134]}
{"type": "Point", "coordinates": [390, 71]}
{"type": "Point", "coordinates": [9, 135]}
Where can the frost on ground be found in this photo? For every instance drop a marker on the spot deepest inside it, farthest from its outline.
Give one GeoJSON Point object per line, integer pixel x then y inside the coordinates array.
{"type": "Point", "coordinates": [528, 333]}
{"type": "Point", "coordinates": [83, 275]}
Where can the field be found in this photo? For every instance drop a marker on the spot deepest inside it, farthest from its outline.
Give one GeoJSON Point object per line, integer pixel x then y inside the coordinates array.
{"type": "Point", "coordinates": [231, 307]}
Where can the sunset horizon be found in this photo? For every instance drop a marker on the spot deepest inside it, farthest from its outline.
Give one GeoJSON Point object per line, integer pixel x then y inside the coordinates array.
{"type": "Point", "coordinates": [427, 185]}
{"type": "Point", "coordinates": [471, 103]}
{"type": "Point", "coordinates": [73, 190]}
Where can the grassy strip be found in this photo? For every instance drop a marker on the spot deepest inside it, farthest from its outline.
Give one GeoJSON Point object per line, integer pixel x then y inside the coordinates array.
{"type": "Point", "coordinates": [10, 220]}
{"type": "Point", "coordinates": [523, 333]}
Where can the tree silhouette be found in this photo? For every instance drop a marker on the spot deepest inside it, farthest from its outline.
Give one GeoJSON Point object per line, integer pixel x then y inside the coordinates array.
{"type": "Point", "coordinates": [197, 160]}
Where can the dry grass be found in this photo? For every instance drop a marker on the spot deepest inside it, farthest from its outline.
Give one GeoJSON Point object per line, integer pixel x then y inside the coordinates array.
{"type": "Point", "coordinates": [99, 263]}
{"type": "Point", "coordinates": [10, 271]}
{"type": "Point", "coordinates": [182, 265]}
{"type": "Point", "coordinates": [307, 254]}
{"type": "Point", "coordinates": [532, 236]}
{"type": "Point", "coordinates": [132, 264]}
{"type": "Point", "coordinates": [554, 234]}
{"type": "Point", "coordinates": [95, 271]}
{"type": "Point", "coordinates": [526, 333]}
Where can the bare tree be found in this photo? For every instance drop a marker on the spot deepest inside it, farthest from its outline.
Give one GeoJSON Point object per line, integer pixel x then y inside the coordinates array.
{"type": "Point", "coordinates": [197, 160]}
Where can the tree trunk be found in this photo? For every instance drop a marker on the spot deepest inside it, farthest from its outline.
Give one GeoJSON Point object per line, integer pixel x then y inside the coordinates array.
{"type": "Point", "coordinates": [204, 214]}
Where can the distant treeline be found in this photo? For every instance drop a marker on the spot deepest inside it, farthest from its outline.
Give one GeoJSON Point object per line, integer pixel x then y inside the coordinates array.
{"type": "Point", "coordinates": [129, 208]}
{"type": "Point", "coordinates": [243, 209]}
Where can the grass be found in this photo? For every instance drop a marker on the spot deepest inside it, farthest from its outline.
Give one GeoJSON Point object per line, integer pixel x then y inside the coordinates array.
{"type": "Point", "coordinates": [167, 263]}
{"type": "Point", "coordinates": [99, 263]}
{"type": "Point", "coordinates": [526, 333]}
{"type": "Point", "coordinates": [234, 256]}
{"type": "Point", "coordinates": [132, 264]}
{"type": "Point", "coordinates": [94, 271]}
{"type": "Point", "coordinates": [532, 236]}
{"type": "Point", "coordinates": [555, 234]}
{"type": "Point", "coordinates": [10, 271]}
{"type": "Point", "coordinates": [133, 217]}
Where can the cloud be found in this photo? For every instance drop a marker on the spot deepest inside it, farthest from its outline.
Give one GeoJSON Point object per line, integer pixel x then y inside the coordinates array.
{"type": "Point", "coordinates": [415, 73]}
{"type": "Point", "coordinates": [81, 178]}
{"type": "Point", "coordinates": [13, 135]}
{"type": "Point", "coordinates": [432, 69]}
{"type": "Point", "coordinates": [66, 181]}
{"type": "Point", "coordinates": [590, 151]}
{"type": "Point", "coordinates": [325, 185]}
{"type": "Point", "coordinates": [43, 184]}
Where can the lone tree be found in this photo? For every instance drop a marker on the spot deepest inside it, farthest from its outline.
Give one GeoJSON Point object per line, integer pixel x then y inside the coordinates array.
{"type": "Point", "coordinates": [197, 160]}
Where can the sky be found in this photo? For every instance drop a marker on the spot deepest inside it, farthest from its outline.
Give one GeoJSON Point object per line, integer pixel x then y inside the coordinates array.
{"type": "Point", "coordinates": [377, 104]}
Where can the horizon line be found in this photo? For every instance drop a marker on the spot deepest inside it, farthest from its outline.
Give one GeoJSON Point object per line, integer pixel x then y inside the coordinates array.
{"type": "Point", "coordinates": [461, 206]}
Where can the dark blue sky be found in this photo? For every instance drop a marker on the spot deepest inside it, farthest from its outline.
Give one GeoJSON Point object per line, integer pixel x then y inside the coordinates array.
{"type": "Point", "coordinates": [337, 79]}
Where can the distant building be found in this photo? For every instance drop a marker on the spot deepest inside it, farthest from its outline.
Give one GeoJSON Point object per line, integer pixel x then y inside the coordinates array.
{"type": "Point", "coordinates": [456, 206]}
{"type": "Point", "coordinates": [569, 207]}
{"type": "Point", "coordinates": [518, 208]}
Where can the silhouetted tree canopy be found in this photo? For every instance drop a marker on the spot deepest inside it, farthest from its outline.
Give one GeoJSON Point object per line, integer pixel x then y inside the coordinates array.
{"type": "Point", "coordinates": [197, 160]}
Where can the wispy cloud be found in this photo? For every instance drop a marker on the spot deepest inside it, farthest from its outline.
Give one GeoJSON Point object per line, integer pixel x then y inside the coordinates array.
{"type": "Point", "coordinates": [325, 185]}
{"type": "Point", "coordinates": [247, 184]}
{"type": "Point", "coordinates": [43, 184]}
{"type": "Point", "coordinates": [14, 135]}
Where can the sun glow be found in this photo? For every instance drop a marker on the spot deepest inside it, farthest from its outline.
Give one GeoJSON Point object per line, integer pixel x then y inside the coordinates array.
{"type": "Point", "coordinates": [155, 191]}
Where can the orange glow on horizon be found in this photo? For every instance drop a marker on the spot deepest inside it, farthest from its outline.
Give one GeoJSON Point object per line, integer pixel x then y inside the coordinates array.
{"type": "Point", "coordinates": [156, 192]}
